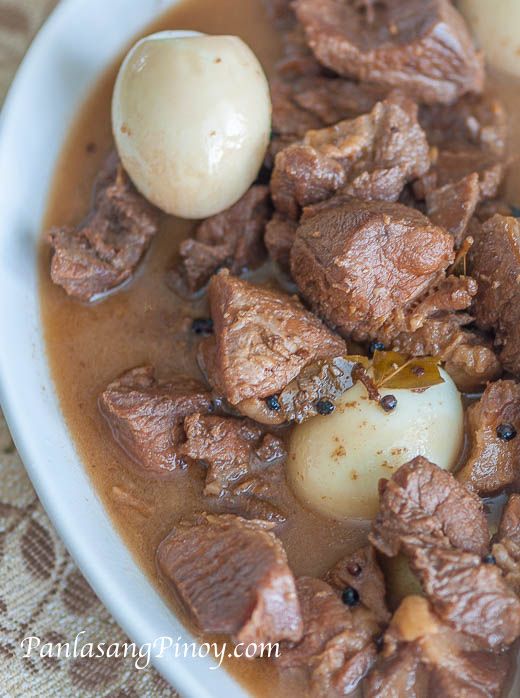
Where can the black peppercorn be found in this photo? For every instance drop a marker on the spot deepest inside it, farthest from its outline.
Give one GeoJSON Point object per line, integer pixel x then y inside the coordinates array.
{"type": "Point", "coordinates": [350, 597]}
{"type": "Point", "coordinates": [489, 559]}
{"type": "Point", "coordinates": [324, 407]}
{"type": "Point", "coordinates": [202, 326]}
{"type": "Point", "coordinates": [515, 211]}
{"type": "Point", "coordinates": [273, 403]}
{"type": "Point", "coordinates": [375, 346]}
{"type": "Point", "coordinates": [506, 432]}
{"type": "Point", "coordinates": [388, 403]}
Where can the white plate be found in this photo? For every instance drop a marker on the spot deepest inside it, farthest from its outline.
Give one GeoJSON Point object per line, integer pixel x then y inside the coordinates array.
{"type": "Point", "coordinates": [79, 40]}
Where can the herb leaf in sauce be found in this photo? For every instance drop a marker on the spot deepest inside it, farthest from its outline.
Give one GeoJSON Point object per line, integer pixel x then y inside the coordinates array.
{"type": "Point", "coordinates": [394, 370]}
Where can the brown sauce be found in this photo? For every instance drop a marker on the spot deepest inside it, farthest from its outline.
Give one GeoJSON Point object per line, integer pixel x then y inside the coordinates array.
{"type": "Point", "coordinates": [88, 346]}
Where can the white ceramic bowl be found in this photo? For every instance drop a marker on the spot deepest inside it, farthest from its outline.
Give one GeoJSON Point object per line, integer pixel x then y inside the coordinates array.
{"type": "Point", "coordinates": [55, 77]}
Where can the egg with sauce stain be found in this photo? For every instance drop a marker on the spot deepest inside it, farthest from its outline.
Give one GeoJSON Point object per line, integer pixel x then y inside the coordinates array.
{"type": "Point", "coordinates": [495, 27]}
{"type": "Point", "coordinates": [336, 461]}
{"type": "Point", "coordinates": [191, 116]}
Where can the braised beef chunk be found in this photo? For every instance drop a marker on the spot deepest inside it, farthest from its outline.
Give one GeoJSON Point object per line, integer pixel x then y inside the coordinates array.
{"type": "Point", "coordinates": [469, 138]}
{"type": "Point", "coordinates": [337, 648]}
{"type": "Point", "coordinates": [468, 594]}
{"type": "Point", "coordinates": [231, 575]}
{"type": "Point", "coordinates": [494, 261]}
{"type": "Point", "coordinates": [493, 460]}
{"type": "Point", "coordinates": [452, 206]}
{"type": "Point", "coordinates": [370, 157]}
{"type": "Point", "coordinates": [506, 549]}
{"type": "Point", "coordinates": [146, 414]}
{"type": "Point", "coordinates": [469, 357]}
{"type": "Point", "coordinates": [106, 247]}
{"type": "Point", "coordinates": [233, 239]}
{"type": "Point", "coordinates": [422, 46]}
{"type": "Point", "coordinates": [263, 339]}
{"type": "Point", "coordinates": [423, 656]}
{"type": "Point", "coordinates": [442, 529]}
{"type": "Point", "coordinates": [279, 238]}
{"type": "Point", "coordinates": [244, 463]}
{"type": "Point", "coordinates": [360, 571]}
{"type": "Point", "coordinates": [424, 505]}
{"type": "Point", "coordinates": [357, 263]}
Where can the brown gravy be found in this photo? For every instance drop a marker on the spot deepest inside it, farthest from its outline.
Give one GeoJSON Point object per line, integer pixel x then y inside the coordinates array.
{"type": "Point", "coordinates": [145, 323]}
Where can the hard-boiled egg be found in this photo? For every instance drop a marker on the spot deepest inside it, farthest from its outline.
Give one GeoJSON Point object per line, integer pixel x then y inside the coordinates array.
{"type": "Point", "coordinates": [494, 24]}
{"type": "Point", "coordinates": [336, 461]}
{"type": "Point", "coordinates": [191, 117]}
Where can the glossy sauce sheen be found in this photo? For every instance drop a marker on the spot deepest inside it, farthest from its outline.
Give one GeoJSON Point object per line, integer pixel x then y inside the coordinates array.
{"type": "Point", "coordinates": [144, 322]}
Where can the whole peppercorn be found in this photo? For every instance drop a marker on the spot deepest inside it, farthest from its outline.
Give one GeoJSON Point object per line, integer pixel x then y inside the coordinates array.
{"type": "Point", "coordinates": [489, 559]}
{"type": "Point", "coordinates": [324, 407]}
{"type": "Point", "coordinates": [506, 432]}
{"type": "Point", "coordinates": [388, 403]}
{"type": "Point", "coordinates": [375, 346]}
{"type": "Point", "coordinates": [273, 403]}
{"type": "Point", "coordinates": [202, 326]}
{"type": "Point", "coordinates": [350, 597]}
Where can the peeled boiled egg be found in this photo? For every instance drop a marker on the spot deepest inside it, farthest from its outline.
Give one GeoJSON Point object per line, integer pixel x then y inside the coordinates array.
{"type": "Point", "coordinates": [494, 24]}
{"type": "Point", "coordinates": [336, 461]}
{"type": "Point", "coordinates": [191, 117]}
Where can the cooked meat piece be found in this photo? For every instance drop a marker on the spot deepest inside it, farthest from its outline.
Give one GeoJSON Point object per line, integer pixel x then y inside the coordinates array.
{"type": "Point", "coordinates": [361, 572]}
{"type": "Point", "coordinates": [233, 239]}
{"type": "Point", "coordinates": [452, 206]}
{"type": "Point", "coordinates": [358, 262]}
{"type": "Point", "coordinates": [232, 576]}
{"type": "Point", "coordinates": [422, 656]}
{"type": "Point", "coordinates": [263, 339]}
{"type": "Point", "coordinates": [468, 594]}
{"type": "Point", "coordinates": [337, 648]}
{"type": "Point", "coordinates": [238, 456]}
{"type": "Point", "coordinates": [469, 137]}
{"type": "Point", "coordinates": [469, 357]}
{"type": "Point", "coordinates": [494, 261]}
{"type": "Point", "coordinates": [326, 379]}
{"type": "Point", "coordinates": [506, 550]}
{"type": "Point", "coordinates": [493, 462]}
{"type": "Point", "coordinates": [146, 414]}
{"type": "Point", "coordinates": [491, 207]}
{"type": "Point", "coordinates": [290, 119]}
{"type": "Point", "coordinates": [423, 505]}
{"type": "Point", "coordinates": [370, 157]}
{"type": "Point", "coordinates": [475, 120]}
{"type": "Point", "coordinates": [106, 247]}
{"type": "Point", "coordinates": [422, 46]}
{"type": "Point", "coordinates": [279, 238]}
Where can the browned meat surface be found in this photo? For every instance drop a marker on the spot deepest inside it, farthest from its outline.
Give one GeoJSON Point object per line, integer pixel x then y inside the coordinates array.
{"type": "Point", "coordinates": [280, 13]}
{"type": "Point", "coordinates": [263, 339]}
{"type": "Point", "coordinates": [441, 527]}
{"type": "Point", "coordinates": [231, 575]}
{"type": "Point", "coordinates": [423, 505]}
{"type": "Point", "coordinates": [360, 571]}
{"type": "Point", "coordinates": [493, 462]}
{"type": "Point", "coordinates": [494, 261]}
{"type": "Point", "coordinates": [452, 206]}
{"type": "Point", "coordinates": [468, 594]}
{"type": "Point", "coordinates": [337, 649]}
{"type": "Point", "coordinates": [232, 239]}
{"type": "Point", "coordinates": [239, 457]}
{"type": "Point", "coordinates": [422, 46]}
{"type": "Point", "coordinates": [423, 656]}
{"type": "Point", "coordinates": [506, 549]}
{"type": "Point", "coordinates": [146, 414]}
{"type": "Point", "coordinates": [104, 250]}
{"type": "Point", "coordinates": [357, 263]}
{"type": "Point", "coordinates": [370, 157]}
{"type": "Point", "coordinates": [469, 138]}
{"type": "Point", "coordinates": [491, 207]}
{"type": "Point", "coordinates": [469, 357]}
{"type": "Point", "coordinates": [279, 238]}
